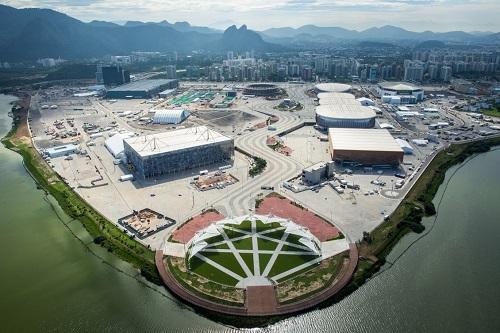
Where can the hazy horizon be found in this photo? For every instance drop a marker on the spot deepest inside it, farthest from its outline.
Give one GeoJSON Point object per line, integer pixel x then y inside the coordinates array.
{"type": "Point", "coordinates": [414, 15]}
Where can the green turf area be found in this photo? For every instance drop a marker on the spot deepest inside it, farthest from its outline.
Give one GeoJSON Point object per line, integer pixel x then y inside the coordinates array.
{"type": "Point", "coordinates": [493, 112]}
{"type": "Point", "coordinates": [232, 234]}
{"type": "Point", "coordinates": [226, 260]}
{"type": "Point", "coordinates": [265, 244]}
{"type": "Point", "coordinates": [285, 262]}
{"type": "Point", "coordinates": [243, 244]}
{"type": "Point", "coordinates": [199, 267]}
{"type": "Point", "coordinates": [261, 226]}
{"type": "Point", "coordinates": [294, 239]}
{"type": "Point", "coordinates": [215, 239]}
{"type": "Point", "coordinates": [222, 246]}
{"type": "Point", "coordinates": [291, 248]}
{"type": "Point", "coordinates": [275, 234]}
{"type": "Point", "coordinates": [245, 226]}
{"type": "Point", "coordinates": [248, 259]}
{"type": "Point", "coordinates": [263, 260]}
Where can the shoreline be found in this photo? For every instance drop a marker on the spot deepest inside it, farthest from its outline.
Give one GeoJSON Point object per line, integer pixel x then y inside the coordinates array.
{"type": "Point", "coordinates": [374, 248]}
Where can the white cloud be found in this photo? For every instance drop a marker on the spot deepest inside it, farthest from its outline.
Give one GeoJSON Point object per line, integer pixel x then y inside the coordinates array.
{"type": "Point", "coordinates": [418, 15]}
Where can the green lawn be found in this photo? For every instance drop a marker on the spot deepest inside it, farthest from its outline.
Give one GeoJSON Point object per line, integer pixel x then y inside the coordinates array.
{"type": "Point", "coordinates": [232, 234]}
{"type": "Point", "coordinates": [285, 262]}
{"type": "Point", "coordinates": [243, 244]}
{"type": "Point", "coordinates": [200, 267]}
{"type": "Point", "coordinates": [245, 225]}
{"type": "Point", "coordinates": [214, 239]}
{"type": "Point", "coordinates": [226, 260]}
{"type": "Point", "coordinates": [222, 246]}
{"type": "Point", "coordinates": [263, 260]}
{"type": "Point", "coordinates": [261, 226]}
{"type": "Point", "coordinates": [275, 234]}
{"type": "Point", "coordinates": [291, 248]}
{"type": "Point", "coordinates": [248, 259]}
{"type": "Point", "coordinates": [493, 112]}
{"type": "Point", "coordinates": [265, 244]}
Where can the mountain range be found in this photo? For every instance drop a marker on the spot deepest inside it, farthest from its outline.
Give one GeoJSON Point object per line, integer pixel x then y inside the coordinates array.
{"type": "Point", "coordinates": [30, 34]}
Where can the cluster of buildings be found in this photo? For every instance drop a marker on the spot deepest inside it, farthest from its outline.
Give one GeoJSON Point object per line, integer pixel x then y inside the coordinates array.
{"type": "Point", "coordinates": [440, 65]}
{"type": "Point", "coordinates": [352, 137]}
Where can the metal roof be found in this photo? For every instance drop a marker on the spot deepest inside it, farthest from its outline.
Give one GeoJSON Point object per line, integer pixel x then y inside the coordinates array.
{"type": "Point", "coordinates": [345, 111]}
{"type": "Point", "coordinates": [142, 85]}
{"type": "Point", "coordinates": [185, 138]}
{"type": "Point", "coordinates": [362, 139]}
{"type": "Point", "coordinates": [333, 87]}
{"type": "Point", "coordinates": [169, 116]}
{"type": "Point", "coordinates": [115, 143]}
{"type": "Point", "coordinates": [398, 86]}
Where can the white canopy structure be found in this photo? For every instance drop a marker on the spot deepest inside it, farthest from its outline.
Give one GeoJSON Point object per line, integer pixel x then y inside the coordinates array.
{"type": "Point", "coordinates": [168, 116]}
{"type": "Point", "coordinates": [198, 242]}
{"type": "Point", "coordinates": [306, 238]}
{"type": "Point", "coordinates": [115, 143]}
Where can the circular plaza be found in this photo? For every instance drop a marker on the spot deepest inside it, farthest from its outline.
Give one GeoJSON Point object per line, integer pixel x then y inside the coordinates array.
{"type": "Point", "coordinates": [256, 265]}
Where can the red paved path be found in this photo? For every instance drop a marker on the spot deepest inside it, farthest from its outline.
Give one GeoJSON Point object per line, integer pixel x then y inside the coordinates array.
{"type": "Point", "coordinates": [284, 208]}
{"type": "Point", "coordinates": [189, 229]}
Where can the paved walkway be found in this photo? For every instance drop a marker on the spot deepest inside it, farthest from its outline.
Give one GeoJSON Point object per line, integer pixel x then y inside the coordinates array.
{"type": "Point", "coordinates": [334, 247]}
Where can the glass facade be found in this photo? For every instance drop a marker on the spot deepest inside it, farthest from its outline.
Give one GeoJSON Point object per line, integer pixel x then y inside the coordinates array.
{"type": "Point", "coordinates": [179, 160]}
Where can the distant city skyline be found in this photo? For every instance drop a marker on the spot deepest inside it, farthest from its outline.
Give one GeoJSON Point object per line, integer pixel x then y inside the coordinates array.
{"type": "Point", "coordinates": [415, 15]}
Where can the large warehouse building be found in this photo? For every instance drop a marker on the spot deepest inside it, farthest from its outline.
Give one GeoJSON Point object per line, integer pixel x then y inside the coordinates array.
{"type": "Point", "coordinates": [175, 151]}
{"type": "Point", "coordinates": [400, 93]}
{"type": "Point", "coordinates": [344, 111]}
{"type": "Point", "coordinates": [365, 146]}
{"type": "Point", "coordinates": [142, 88]}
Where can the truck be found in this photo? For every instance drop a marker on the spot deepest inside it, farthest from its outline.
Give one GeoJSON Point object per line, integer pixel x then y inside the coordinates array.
{"type": "Point", "coordinates": [400, 183]}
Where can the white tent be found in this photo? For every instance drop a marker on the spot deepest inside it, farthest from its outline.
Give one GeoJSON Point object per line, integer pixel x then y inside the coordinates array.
{"type": "Point", "coordinates": [167, 116]}
{"type": "Point", "coordinates": [198, 243]}
{"type": "Point", "coordinates": [115, 143]}
{"type": "Point", "coordinates": [306, 238]}
{"type": "Point", "coordinates": [407, 148]}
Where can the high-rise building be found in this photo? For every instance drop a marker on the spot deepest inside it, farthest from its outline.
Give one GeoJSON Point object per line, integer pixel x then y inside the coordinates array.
{"type": "Point", "coordinates": [113, 75]}
{"type": "Point", "coordinates": [171, 72]}
{"type": "Point", "coordinates": [445, 74]}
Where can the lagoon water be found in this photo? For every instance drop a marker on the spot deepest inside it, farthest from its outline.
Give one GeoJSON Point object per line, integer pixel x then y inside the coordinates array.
{"type": "Point", "coordinates": [54, 279]}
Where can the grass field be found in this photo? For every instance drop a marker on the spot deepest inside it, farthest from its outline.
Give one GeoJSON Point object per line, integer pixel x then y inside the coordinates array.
{"type": "Point", "coordinates": [240, 245]}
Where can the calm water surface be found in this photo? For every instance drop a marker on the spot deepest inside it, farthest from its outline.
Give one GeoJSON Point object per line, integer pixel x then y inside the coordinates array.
{"type": "Point", "coordinates": [49, 281]}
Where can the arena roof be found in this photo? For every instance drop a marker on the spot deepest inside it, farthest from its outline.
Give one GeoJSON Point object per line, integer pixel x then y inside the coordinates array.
{"type": "Point", "coordinates": [185, 138]}
{"type": "Point", "coordinates": [142, 85]}
{"type": "Point", "coordinates": [333, 87]}
{"type": "Point", "coordinates": [398, 86]}
{"type": "Point", "coordinates": [328, 98]}
{"type": "Point", "coordinates": [363, 139]}
{"type": "Point", "coordinates": [345, 111]}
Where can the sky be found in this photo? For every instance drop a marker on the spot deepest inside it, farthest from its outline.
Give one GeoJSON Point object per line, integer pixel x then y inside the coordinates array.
{"type": "Point", "coordinates": [415, 15]}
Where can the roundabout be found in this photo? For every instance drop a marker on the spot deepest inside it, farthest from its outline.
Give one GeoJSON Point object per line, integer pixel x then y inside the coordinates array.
{"type": "Point", "coordinates": [258, 265]}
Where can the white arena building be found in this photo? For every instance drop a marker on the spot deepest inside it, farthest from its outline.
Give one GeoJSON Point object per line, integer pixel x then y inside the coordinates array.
{"type": "Point", "coordinates": [332, 87]}
{"type": "Point", "coordinates": [400, 93]}
{"type": "Point", "coordinates": [343, 110]}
